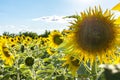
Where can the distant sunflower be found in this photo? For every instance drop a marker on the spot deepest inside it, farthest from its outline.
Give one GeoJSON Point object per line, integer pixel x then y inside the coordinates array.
{"type": "Point", "coordinates": [5, 54]}
{"type": "Point", "coordinates": [22, 37]}
{"type": "Point", "coordinates": [5, 37]}
{"type": "Point", "coordinates": [94, 34]}
{"type": "Point", "coordinates": [28, 39]}
{"type": "Point", "coordinates": [12, 40]}
{"type": "Point", "coordinates": [12, 45]}
{"type": "Point", "coordinates": [55, 39]}
{"type": "Point", "coordinates": [29, 61]}
{"type": "Point", "coordinates": [51, 51]}
{"type": "Point", "coordinates": [72, 63]}
{"type": "Point", "coordinates": [18, 39]}
{"type": "Point", "coordinates": [43, 41]}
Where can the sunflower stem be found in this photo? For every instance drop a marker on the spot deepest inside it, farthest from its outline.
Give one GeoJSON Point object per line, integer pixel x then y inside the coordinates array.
{"type": "Point", "coordinates": [88, 68]}
{"type": "Point", "coordinates": [33, 72]}
{"type": "Point", "coordinates": [94, 70]}
{"type": "Point", "coordinates": [100, 72]}
{"type": "Point", "coordinates": [18, 76]}
{"type": "Point", "coordinates": [18, 72]}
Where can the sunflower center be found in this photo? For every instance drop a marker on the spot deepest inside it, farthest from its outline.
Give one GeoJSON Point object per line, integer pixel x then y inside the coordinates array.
{"type": "Point", "coordinates": [95, 33]}
{"type": "Point", "coordinates": [6, 53]}
{"type": "Point", "coordinates": [57, 39]}
{"type": "Point", "coordinates": [29, 61]}
{"type": "Point", "coordinates": [75, 62]}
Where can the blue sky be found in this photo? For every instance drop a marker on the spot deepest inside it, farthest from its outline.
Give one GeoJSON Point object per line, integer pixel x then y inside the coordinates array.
{"type": "Point", "coordinates": [41, 15]}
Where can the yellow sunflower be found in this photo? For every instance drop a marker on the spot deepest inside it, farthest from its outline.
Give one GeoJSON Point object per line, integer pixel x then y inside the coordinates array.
{"type": "Point", "coordinates": [28, 39]}
{"type": "Point", "coordinates": [72, 63]}
{"type": "Point", "coordinates": [51, 51]}
{"type": "Point", "coordinates": [5, 37]}
{"type": "Point", "coordinates": [94, 34]}
{"type": "Point", "coordinates": [5, 53]}
{"type": "Point", "coordinates": [18, 39]}
{"type": "Point", "coordinates": [12, 40]}
{"type": "Point", "coordinates": [55, 39]}
{"type": "Point", "coordinates": [42, 42]}
{"type": "Point", "coordinates": [22, 37]}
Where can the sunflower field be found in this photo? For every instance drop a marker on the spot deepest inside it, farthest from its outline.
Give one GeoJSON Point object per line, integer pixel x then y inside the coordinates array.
{"type": "Point", "coordinates": [88, 50]}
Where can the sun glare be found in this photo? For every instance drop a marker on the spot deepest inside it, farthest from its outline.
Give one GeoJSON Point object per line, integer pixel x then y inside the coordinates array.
{"type": "Point", "coordinates": [81, 1]}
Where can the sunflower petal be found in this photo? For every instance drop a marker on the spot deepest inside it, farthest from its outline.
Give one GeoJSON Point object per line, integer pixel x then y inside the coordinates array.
{"type": "Point", "coordinates": [116, 7]}
{"type": "Point", "coordinates": [117, 21]}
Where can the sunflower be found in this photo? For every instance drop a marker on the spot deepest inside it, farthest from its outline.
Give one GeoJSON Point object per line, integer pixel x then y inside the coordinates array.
{"type": "Point", "coordinates": [43, 41]}
{"type": "Point", "coordinates": [29, 61]}
{"type": "Point", "coordinates": [94, 34]}
{"type": "Point", "coordinates": [22, 37]}
{"type": "Point", "coordinates": [5, 54]}
{"type": "Point", "coordinates": [72, 63]}
{"type": "Point", "coordinates": [28, 39]}
{"type": "Point", "coordinates": [50, 51]}
{"type": "Point", "coordinates": [5, 37]}
{"type": "Point", "coordinates": [12, 40]}
{"type": "Point", "coordinates": [18, 39]}
{"type": "Point", "coordinates": [55, 39]}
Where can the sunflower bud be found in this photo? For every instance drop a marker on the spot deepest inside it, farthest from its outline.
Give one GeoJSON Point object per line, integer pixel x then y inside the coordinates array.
{"type": "Point", "coordinates": [29, 61]}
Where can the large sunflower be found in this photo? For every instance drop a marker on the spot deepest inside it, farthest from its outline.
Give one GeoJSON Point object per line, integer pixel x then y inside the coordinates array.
{"type": "Point", "coordinates": [5, 53]}
{"type": "Point", "coordinates": [55, 39]}
{"type": "Point", "coordinates": [94, 34]}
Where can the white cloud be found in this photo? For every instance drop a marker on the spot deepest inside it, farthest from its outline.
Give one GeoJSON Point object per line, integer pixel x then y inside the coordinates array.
{"type": "Point", "coordinates": [58, 19]}
{"type": "Point", "coordinates": [39, 29]}
{"type": "Point", "coordinates": [38, 25]}
{"type": "Point", "coordinates": [13, 28]}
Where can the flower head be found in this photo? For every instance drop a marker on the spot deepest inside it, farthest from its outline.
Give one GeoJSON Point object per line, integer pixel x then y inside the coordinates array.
{"type": "Point", "coordinates": [72, 63]}
{"type": "Point", "coordinates": [29, 61]}
{"type": "Point", "coordinates": [94, 34]}
{"type": "Point", "coordinates": [6, 55]}
{"type": "Point", "coordinates": [55, 38]}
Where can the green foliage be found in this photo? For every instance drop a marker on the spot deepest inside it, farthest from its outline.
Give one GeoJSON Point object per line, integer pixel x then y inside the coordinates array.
{"type": "Point", "coordinates": [45, 34]}
{"type": "Point", "coordinates": [33, 35]}
{"type": "Point", "coordinates": [33, 62]}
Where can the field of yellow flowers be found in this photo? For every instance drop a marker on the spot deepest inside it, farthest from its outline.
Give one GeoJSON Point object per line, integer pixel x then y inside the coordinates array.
{"type": "Point", "coordinates": [32, 58]}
